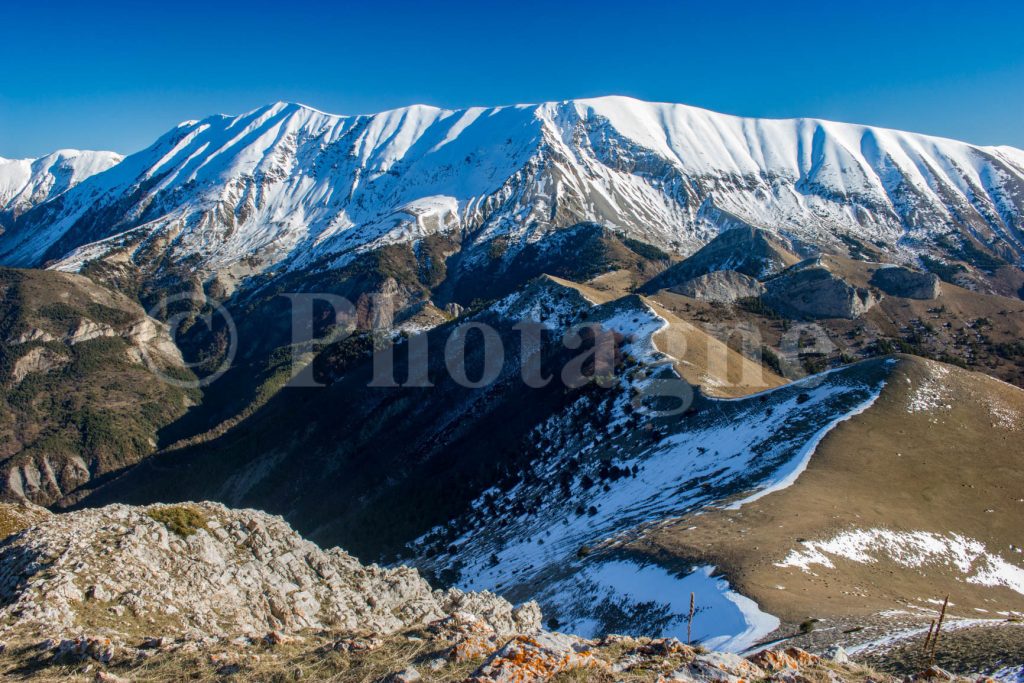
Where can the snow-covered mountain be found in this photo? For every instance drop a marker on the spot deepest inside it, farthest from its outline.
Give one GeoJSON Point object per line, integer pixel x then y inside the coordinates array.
{"type": "Point", "coordinates": [287, 186]}
{"type": "Point", "coordinates": [24, 183]}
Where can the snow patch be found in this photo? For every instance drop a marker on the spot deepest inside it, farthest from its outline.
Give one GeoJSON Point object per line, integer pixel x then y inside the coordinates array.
{"type": "Point", "coordinates": [933, 393]}
{"type": "Point", "coordinates": [911, 549]}
{"type": "Point", "coordinates": [786, 476]}
{"type": "Point", "coordinates": [632, 596]}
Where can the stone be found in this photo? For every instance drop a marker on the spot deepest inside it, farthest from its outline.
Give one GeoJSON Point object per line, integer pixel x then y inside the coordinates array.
{"type": "Point", "coordinates": [256, 577]}
{"type": "Point", "coordinates": [628, 662]}
{"type": "Point", "coordinates": [906, 283]}
{"type": "Point", "coordinates": [802, 657]}
{"type": "Point", "coordinates": [409, 675]}
{"type": "Point", "coordinates": [774, 660]}
{"type": "Point", "coordinates": [276, 638]}
{"type": "Point", "coordinates": [436, 664]}
{"type": "Point", "coordinates": [837, 654]}
{"type": "Point", "coordinates": [724, 667]}
{"type": "Point", "coordinates": [100, 649]}
{"type": "Point", "coordinates": [537, 658]}
{"type": "Point", "coordinates": [98, 592]}
{"type": "Point", "coordinates": [472, 647]}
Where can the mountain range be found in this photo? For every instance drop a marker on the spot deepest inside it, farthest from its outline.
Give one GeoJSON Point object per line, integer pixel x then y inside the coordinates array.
{"type": "Point", "coordinates": [839, 307]}
{"type": "Point", "coordinates": [24, 183]}
{"type": "Point", "coordinates": [288, 187]}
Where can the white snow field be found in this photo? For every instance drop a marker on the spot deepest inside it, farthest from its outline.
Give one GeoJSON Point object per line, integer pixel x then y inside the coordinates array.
{"type": "Point", "coordinates": [287, 184]}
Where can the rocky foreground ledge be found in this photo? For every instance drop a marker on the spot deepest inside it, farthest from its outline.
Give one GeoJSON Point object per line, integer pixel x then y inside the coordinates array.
{"type": "Point", "coordinates": [202, 592]}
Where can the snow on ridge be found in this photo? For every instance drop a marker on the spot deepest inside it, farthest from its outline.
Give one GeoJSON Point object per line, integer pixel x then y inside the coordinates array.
{"type": "Point", "coordinates": [911, 549]}
{"type": "Point", "coordinates": [27, 182]}
{"type": "Point", "coordinates": [786, 476]}
{"type": "Point", "coordinates": [734, 448]}
{"type": "Point", "coordinates": [553, 306]}
{"type": "Point", "coordinates": [287, 181]}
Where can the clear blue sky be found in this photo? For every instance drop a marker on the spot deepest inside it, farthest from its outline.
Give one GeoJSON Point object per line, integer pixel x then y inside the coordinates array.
{"type": "Point", "coordinates": [115, 75]}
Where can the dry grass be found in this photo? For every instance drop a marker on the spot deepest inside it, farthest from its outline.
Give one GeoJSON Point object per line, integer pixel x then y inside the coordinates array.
{"type": "Point", "coordinates": [309, 659]}
{"type": "Point", "coordinates": [705, 361]}
{"type": "Point", "coordinates": [183, 520]}
{"type": "Point", "coordinates": [953, 470]}
{"type": "Point", "coordinates": [15, 517]}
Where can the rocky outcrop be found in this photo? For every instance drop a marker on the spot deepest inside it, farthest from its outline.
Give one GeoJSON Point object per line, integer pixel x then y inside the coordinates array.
{"type": "Point", "coordinates": [205, 570]}
{"type": "Point", "coordinates": [745, 249]}
{"type": "Point", "coordinates": [37, 359]}
{"type": "Point", "coordinates": [722, 286]}
{"type": "Point", "coordinates": [42, 477]}
{"type": "Point", "coordinates": [538, 658]}
{"type": "Point", "coordinates": [906, 283]}
{"type": "Point", "coordinates": [810, 290]}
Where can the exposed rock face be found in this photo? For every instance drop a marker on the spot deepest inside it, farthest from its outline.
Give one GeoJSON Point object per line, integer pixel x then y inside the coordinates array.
{"type": "Point", "coordinates": [38, 359]}
{"type": "Point", "coordinates": [903, 282]}
{"type": "Point", "coordinates": [723, 286]}
{"type": "Point", "coordinates": [811, 290]}
{"type": "Point", "coordinates": [745, 249]}
{"type": "Point", "coordinates": [117, 571]}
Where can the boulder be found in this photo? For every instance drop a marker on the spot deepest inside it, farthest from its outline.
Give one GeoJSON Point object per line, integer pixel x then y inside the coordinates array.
{"type": "Point", "coordinates": [906, 283]}
{"type": "Point", "coordinates": [722, 667]}
{"type": "Point", "coordinates": [410, 675]}
{"type": "Point", "coordinates": [837, 654]}
{"type": "Point", "coordinates": [538, 658]}
{"type": "Point", "coordinates": [789, 659]}
{"type": "Point", "coordinates": [722, 286]}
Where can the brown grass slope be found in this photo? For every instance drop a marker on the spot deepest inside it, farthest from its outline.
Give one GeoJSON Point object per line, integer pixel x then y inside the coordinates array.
{"type": "Point", "coordinates": [700, 358]}
{"type": "Point", "coordinates": [976, 330]}
{"type": "Point", "coordinates": [955, 466]}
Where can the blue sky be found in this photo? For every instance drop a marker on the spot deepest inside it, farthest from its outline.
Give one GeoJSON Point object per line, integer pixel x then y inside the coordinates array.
{"type": "Point", "coordinates": [115, 75]}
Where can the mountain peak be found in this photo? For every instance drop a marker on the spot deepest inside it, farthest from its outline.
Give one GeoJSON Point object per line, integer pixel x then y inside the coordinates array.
{"type": "Point", "coordinates": [288, 183]}
{"type": "Point", "coordinates": [24, 183]}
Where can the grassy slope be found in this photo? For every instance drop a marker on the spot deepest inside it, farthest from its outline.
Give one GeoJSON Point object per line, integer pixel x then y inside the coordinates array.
{"type": "Point", "coordinates": [980, 331]}
{"type": "Point", "coordinates": [97, 409]}
{"type": "Point", "coordinates": [701, 359]}
{"type": "Point", "coordinates": [944, 470]}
